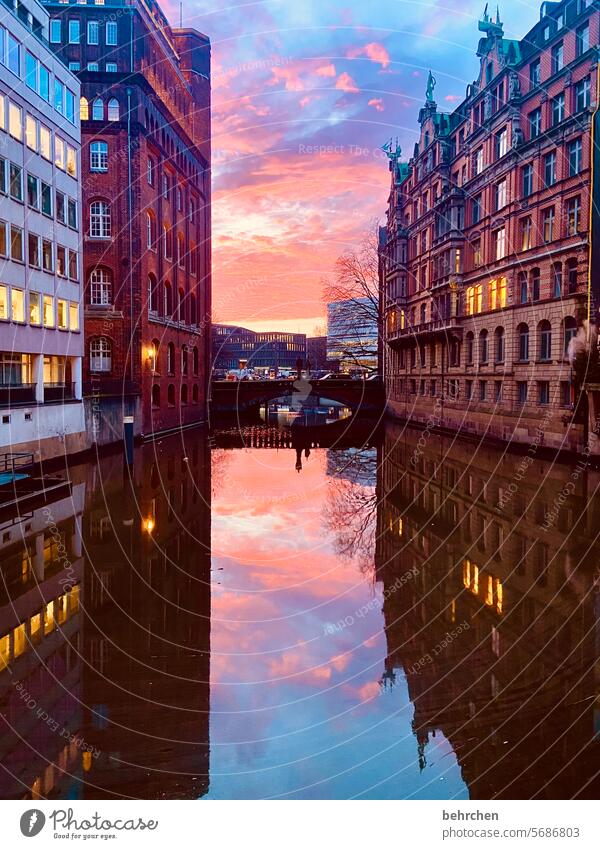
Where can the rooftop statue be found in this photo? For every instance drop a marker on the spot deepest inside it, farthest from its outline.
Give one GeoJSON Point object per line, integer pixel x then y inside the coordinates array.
{"type": "Point", "coordinates": [431, 83]}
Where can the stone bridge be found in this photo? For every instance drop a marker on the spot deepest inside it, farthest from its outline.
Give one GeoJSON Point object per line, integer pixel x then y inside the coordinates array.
{"type": "Point", "coordinates": [244, 396]}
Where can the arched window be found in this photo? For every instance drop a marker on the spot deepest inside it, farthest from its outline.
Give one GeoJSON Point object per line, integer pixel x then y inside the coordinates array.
{"type": "Point", "coordinates": [98, 110]}
{"type": "Point", "coordinates": [167, 248]}
{"type": "Point", "coordinates": [152, 294]}
{"type": "Point", "coordinates": [98, 156]}
{"type": "Point", "coordinates": [195, 393]}
{"type": "Point", "coordinates": [499, 345]}
{"type": "Point", "coordinates": [570, 331]}
{"type": "Point", "coordinates": [100, 225]}
{"type": "Point", "coordinates": [84, 109]}
{"type": "Point", "coordinates": [545, 340]}
{"type": "Point", "coordinates": [101, 287]}
{"type": "Point", "coordinates": [195, 360]}
{"type": "Point", "coordinates": [181, 306]}
{"type": "Point", "coordinates": [155, 352]}
{"type": "Point", "coordinates": [171, 358]}
{"type": "Point", "coordinates": [180, 251]}
{"type": "Point", "coordinates": [193, 315]}
{"type": "Point", "coordinates": [100, 354]}
{"type": "Point", "coordinates": [184, 394]}
{"type": "Point", "coordinates": [113, 109]}
{"type": "Point", "coordinates": [167, 300]}
{"type": "Point", "coordinates": [523, 337]}
{"type": "Point", "coordinates": [483, 346]}
{"type": "Point", "coordinates": [572, 275]}
{"type": "Point", "coordinates": [150, 231]}
{"type": "Point", "coordinates": [556, 280]}
{"type": "Point", "coordinates": [171, 395]}
{"type": "Point", "coordinates": [470, 340]}
{"type": "Point", "coordinates": [156, 396]}
{"type": "Point", "coordinates": [184, 360]}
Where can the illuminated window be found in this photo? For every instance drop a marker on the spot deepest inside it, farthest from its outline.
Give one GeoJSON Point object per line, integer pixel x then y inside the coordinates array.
{"type": "Point", "coordinates": [35, 312]}
{"type": "Point", "coordinates": [19, 641]}
{"type": "Point", "coordinates": [474, 299]}
{"type": "Point", "coordinates": [4, 651]}
{"type": "Point", "coordinates": [49, 621]}
{"type": "Point", "coordinates": [498, 293]}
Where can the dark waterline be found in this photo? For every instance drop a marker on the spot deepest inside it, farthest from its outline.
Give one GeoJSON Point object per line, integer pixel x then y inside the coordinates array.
{"type": "Point", "coordinates": [307, 613]}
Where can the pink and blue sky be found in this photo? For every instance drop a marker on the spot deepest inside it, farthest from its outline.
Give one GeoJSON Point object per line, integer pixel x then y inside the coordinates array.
{"type": "Point", "coordinates": [304, 95]}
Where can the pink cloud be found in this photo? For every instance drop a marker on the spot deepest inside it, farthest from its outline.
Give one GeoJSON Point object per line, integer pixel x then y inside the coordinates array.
{"type": "Point", "coordinates": [374, 51]}
{"type": "Point", "coordinates": [346, 83]}
{"type": "Point", "coordinates": [453, 98]}
{"type": "Point", "coordinates": [377, 104]}
{"type": "Point", "coordinates": [326, 71]}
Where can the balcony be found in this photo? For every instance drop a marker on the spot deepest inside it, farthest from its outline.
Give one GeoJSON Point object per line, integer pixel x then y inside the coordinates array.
{"type": "Point", "coordinates": [19, 393]}
{"type": "Point", "coordinates": [427, 329]}
{"type": "Point", "coordinates": [59, 392]}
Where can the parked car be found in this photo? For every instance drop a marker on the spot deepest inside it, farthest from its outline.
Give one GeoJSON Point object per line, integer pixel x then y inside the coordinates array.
{"type": "Point", "coordinates": [373, 377]}
{"type": "Point", "coordinates": [329, 376]}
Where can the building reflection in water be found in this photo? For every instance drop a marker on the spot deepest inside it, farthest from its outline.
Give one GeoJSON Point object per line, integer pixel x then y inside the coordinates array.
{"type": "Point", "coordinates": [104, 664]}
{"type": "Point", "coordinates": [491, 612]}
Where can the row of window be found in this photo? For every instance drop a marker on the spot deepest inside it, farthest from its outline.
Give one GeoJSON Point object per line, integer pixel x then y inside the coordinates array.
{"type": "Point", "coordinates": [184, 396]}
{"type": "Point", "coordinates": [488, 391]}
{"type": "Point", "coordinates": [73, 31]}
{"type": "Point", "coordinates": [37, 136]}
{"type": "Point", "coordinates": [97, 112]}
{"type": "Point", "coordinates": [186, 350]}
{"type": "Point", "coordinates": [41, 253]}
{"type": "Point", "coordinates": [39, 311]}
{"type": "Point", "coordinates": [175, 305]}
{"type": "Point", "coordinates": [39, 194]}
{"type": "Point", "coordinates": [37, 76]}
{"type": "Point", "coordinates": [109, 67]}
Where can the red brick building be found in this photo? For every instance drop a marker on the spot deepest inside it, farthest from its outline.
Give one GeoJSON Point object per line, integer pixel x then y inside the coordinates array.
{"type": "Point", "coordinates": [145, 119]}
{"type": "Point", "coordinates": [485, 256]}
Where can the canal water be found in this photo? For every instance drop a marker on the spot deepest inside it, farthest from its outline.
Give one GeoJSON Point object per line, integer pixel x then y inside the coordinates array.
{"type": "Point", "coordinates": [274, 613]}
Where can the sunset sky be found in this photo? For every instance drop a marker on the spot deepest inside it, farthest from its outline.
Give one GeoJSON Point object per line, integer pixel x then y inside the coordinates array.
{"type": "Point", "coordinates": [292, 78]}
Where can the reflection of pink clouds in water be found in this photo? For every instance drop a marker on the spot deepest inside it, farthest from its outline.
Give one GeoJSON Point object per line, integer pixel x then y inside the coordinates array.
{"type": "Point", "coordinates": [292, 705]}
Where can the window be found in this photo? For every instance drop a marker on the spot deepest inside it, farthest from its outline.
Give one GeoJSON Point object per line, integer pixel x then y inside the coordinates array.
{"type": "Point", "coordinates": [59, 96]}
{"type": "Point", "coordinates": [61, 261]}
{"type": "Point", "coordinates": [15, 182]}
{"type": "Point", "coordinates": [558, 109]}
{"type": "Point", "coordinates": [500, 194]}
{"type": "Point", "coordinates": [150, 171]}
{"type": "Point", "coordinates": [170, 358]}
{"type": "Point", "coordinates": [535, 123]}
{"type": "Point", "coordinates": [17, 305]}
{"type": "Point", "coordinates": [523, 288]}
{"type": "Point", "coordinates": [501, 143]}
{"type": "Point", "coordinates": [476, 209]}
{"type": "Point", "coordinates": [498, 293]}
{"type": "Point", "coordinates": [71, 161]}
{"type": "Point", "coordinates": [35, 310]}
{"type": "Point", "coordinates": [45, 142]}
{"type": "Point", "coordinates": [193, 269]}
{"type": "Point", "coordinates": [152, 295]}
{"type": "Point", "coordinates": [582, 39]}
{"type": "Point", "coordinates": [543, 391]}
{"type": "Point", "coordinates": [474, 299]}
{"type": "Point", "coordinates": [3, 301]}
{"type": "Point", "coordinates": [171, 395]}
{"type": "Point", "coordinates": [483, 347]}
{"type": "Point", "coordinates": [582, 94]}
{"type": "Point", "coordinates": [545, 341]}
{"type": "Point", "coordinates": [497, 390]}
{"type": "Point", "coordinates": [478, 161]}
{"type": "Point", "coordinates": [70, 106]}
{"type": "Point", "coordinates": [556, 280]}
{"type": "Point", "coordinates": [180, 251]}
{"type": "Point", "coordinates": [113, 109]}
{"type": "Point", "coordinates": [33, 250]}
{"type": "Point", "coordinates": [46, 193]}
{"type": "Point", "coordinates": [111, 67]}
{"type": "Point", "coordinates": [97, 110]}
{"type": "Point", "coordinates": [92, 32]}
{"type": "Point", "coordinates": [111, 32]}
{"type": "Point", "coordinates": [548, 224]}
{"type": "Point", "coordinates": [31, 71]}
{"type": "Point", "coordinates": [33, 193]}
{"type": "Point", "coordinates": [558, 58]}
{"type": "Point", "coordinates": [16, 243]}
{"type": "Point", "coordinates": [31, 126]}
{"type": "Point", "coordinates": [575, 152]}
{"type": "Point", "coordinates": [73, 265]}
{"type": "Point", "coordinates": [523, 337]}
{"type": "Point", "coordinates": [566, 398]}
{"type": "Point", "coordinates": [522, 391]}
{"type": "Point", "coordinates": [534, 73]}
{"type": "Point", "coordinates": [15, 121]}
{"type": "Point", "coordinates": [60, 153]}
{"type": "Point", "coordinates": [573, 216]}
{"type": "Point", "coordinates": [499, 345]}
{"type": "Point", "coordinates": [468, 389]}
{"type": "Point", "coordinates": [73, 315]}
{"type": "Point", "coordinates": [167, 300]}
{"type": "Point", "coordinates": [156, 395]}
{"type": "Point", "coordinates": [45, 83]}
{"type": "Point", "coordinates": [167, 247]}
{"type": "Point", "coordinates": [525, 231]}
{"type": "Point", "coordinates": [499, 237]}
{"type": "Point", "coordinates": [482, 390]}
{"type": "Point", "coordinates": [469, 349]}
{"type": "Point", "coordinates": [13, 54]}
{"type": "Point", "coordinates": [572, 275]}
{"type": "Point", "coordinates": [47, 255]}
{"type": "Point", "coordinates": [535, 284]}
{"type": "Point", "coordinates": [100, 223]}
{"type": "Point", "coordinates": [93, 66]}
{"type": "Point", "coordinates": [74, 31]}
{"type": "Point", "coordinates": [61, 207]}
{"type": "Point", "coordinates": [550, 168]}
{"type": "Point", "coordinates": [62, 314]}
{"type": "Point", "coordinates": [74, 66]}
{"type": "Point", "coordinates": [527, 180]}
{"type": "Point", "coordinates": [55, 31]}
{"type": "Point", "coordinates": [99, 156]}
{"type": "Point", "coordinates": [101, 287]}
{"type": "Point", "coordinates": [150, 231]}
{"type": "Point", "coordinates": [100, 355]}
{"type": "Point", "coordinates": [570, 332]}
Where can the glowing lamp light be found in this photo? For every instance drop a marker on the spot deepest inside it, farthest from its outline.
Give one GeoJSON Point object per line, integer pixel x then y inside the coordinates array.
{"type": "Point", "coordinates": [148, 525]}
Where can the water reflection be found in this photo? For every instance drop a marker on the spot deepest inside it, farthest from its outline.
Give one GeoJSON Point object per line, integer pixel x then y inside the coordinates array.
{"type": "Point", "coordinates": [387, 616]}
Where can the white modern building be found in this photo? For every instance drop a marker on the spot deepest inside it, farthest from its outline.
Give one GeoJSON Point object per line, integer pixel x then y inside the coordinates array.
{"type": "Point", "coordinates": [41, 332]}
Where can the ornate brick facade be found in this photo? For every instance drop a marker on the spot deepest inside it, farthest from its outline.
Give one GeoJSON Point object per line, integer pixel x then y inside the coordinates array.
{"type": "Point", "coordinates": [145, 113]}
{"type": "Point", "coordinates": [484, 259]}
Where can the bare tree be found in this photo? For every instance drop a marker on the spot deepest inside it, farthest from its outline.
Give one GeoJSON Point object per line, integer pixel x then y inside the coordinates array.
{"type": "Point", "coordinates": [354, 286]}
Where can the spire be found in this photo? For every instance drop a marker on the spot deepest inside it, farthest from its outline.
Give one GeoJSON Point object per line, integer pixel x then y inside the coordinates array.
{"type": "Point", "coordinates": [498, 21]}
